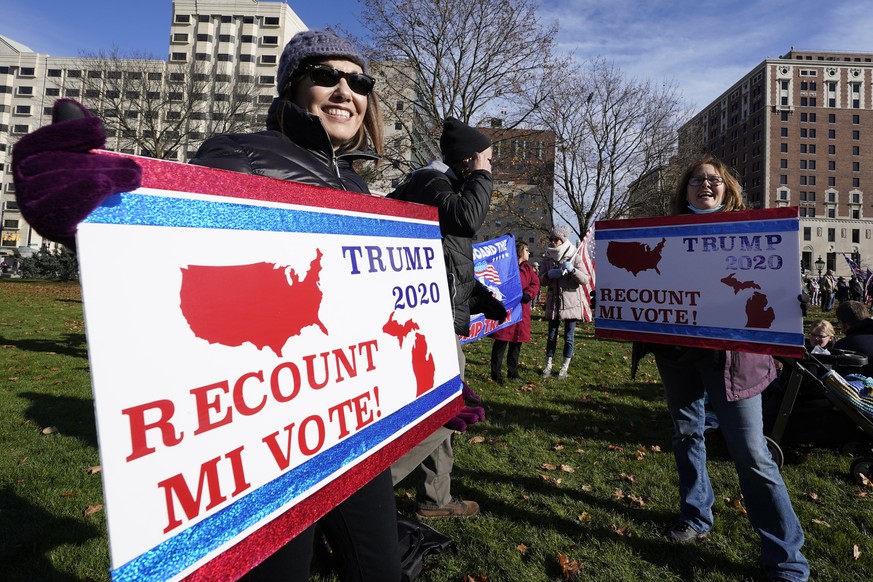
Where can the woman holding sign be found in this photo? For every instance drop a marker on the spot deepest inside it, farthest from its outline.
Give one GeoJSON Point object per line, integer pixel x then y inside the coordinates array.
{"type": "Point", "coordinates": [325, 113]}
{"type": "Point", "coordinates": [733, 382]}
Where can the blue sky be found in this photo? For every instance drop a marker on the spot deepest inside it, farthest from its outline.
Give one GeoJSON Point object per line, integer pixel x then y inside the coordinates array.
{"type": "Point", "coordinates": [704, 46]}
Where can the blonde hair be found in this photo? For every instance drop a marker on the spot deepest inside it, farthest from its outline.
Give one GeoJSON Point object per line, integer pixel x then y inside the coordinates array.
{"type": "Point", "coordinates": [733, 192]}
{"type": "Point", "coordinates": [822, 327]}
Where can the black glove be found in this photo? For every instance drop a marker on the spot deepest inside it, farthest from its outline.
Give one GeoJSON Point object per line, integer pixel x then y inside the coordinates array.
{"type": "Point", "coordinates": [492, 308]}
{"type": "Point", "coordinates": [525, 298]}
{"type": "Point", "coordinates": [58, 181]}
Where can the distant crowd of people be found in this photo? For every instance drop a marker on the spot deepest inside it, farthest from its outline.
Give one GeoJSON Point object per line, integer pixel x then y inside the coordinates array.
{"type": "Point", "coordinates": [829, 290]}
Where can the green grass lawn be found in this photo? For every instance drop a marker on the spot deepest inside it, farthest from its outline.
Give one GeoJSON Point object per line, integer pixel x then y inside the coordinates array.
{"type": "Point", "coordinates": [570, 474]}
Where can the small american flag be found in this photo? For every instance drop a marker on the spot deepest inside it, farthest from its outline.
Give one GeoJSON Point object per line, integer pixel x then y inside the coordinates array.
{"type": "Point", "coordinates": [487, 272]}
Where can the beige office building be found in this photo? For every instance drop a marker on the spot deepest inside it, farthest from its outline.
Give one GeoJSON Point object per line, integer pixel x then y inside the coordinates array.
{"type": "Point", "coordinates": [799, 131]}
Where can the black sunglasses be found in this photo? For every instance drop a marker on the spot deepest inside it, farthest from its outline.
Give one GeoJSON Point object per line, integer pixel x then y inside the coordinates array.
{"type": "Point", "coordinates": [325, 76]}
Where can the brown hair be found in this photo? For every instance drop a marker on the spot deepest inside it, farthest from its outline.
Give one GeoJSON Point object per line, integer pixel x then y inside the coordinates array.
{"type": "Point", "coordinates": [733, 192]}
{"type": "Point", "coordinates": [852, 312]}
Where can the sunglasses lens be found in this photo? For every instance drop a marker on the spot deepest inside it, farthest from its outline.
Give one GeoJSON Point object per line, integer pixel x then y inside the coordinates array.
{"type": "Point", "coordinates": [361, 84]}
{"type": "Point", "coordinates": [324, 76]}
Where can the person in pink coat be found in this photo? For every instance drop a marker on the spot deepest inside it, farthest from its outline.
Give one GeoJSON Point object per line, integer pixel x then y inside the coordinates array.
{"type": "Point", "coordinates": [515, 335]}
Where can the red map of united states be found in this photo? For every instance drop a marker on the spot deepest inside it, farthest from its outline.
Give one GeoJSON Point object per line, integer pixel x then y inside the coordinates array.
{"type": "Point", "coordinates": [634, 257]}
{"type": "Point", "coordinates": [261, 303]}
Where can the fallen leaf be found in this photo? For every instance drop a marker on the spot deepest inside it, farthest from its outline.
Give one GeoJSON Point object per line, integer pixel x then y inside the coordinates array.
{"type": "Point", "coordinates": [627, 477]}
{"type": "Point", "coordinates": [856, 551]}
{"type": "Point", "coordinates": [91, 509]}
{"type": "Point", "coordinates": [566, 468]}
{"type": "Point", "coordinates": [50, 430]}
{"type": "Point", "coordinates": [584, 517]}
{"type": "Point", "coordinates": [548, 467]}
{"type": "Point", "coordinates": [618, 494]}
{"type": "Point", "coordinates": [820, 522]}
{"type": "Point", "coordinates": [814, 497]}
{"type": "Point", "coordinates": [569, 568]}
{"type": "Point", "coordinates": [624, 532]}
{"type": "Point", "coordinates": [480, 578]}
{"type": "Point", "coordinates": [68, 494]}
{"type": "Point", "coordinates": [545, 477]}
{"type": "Point", "coordinates": [558, 447]}
{"type": "Point", "coordinates": [557, 481]}
{"type": "Point", "coordinates": [636, 500]}
{"type": "Point", "coordinates": [640, 455]}
{"type": "Point", "coordinates": [95, 469]}
{"type": "Point", "coordinates": [587, 488]}
{"type": "Point", "coordinates": [23, 461]}
{"type": "Point", "coordinates": [615, 448]}
{"type": "Point", "coordinates": [521, 548]}
{"type": "Point", "coordinates": [476, 440]}
{"type": "Point", "coordinates": [655, 449]}
{"type": "Point", "coordinates": [864, 480]}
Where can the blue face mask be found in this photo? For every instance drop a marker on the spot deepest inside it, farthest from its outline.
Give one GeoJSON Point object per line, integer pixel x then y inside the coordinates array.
{"type": "Point", "coordinates": [707, 211]}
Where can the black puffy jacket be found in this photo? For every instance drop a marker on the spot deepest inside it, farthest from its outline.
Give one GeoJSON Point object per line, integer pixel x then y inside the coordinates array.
{"type": "Point", "coordinates": [462, 206]}
{"type": "Point", "coordinates": [295, 147]}
{"type": "Point", "coordinates": [858, 338]}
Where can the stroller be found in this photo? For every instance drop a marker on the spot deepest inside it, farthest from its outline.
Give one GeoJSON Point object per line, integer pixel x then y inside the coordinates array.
{"type": "Point", "coordinates": [813, 379]}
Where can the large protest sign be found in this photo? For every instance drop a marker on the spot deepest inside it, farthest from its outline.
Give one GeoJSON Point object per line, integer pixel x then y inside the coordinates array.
{"type": "Point", "coordinates": [259, 349]}
{"type": "Point", "coordinates": [495, 265]}
{"type": "Point", "coordinates": [725, 280]}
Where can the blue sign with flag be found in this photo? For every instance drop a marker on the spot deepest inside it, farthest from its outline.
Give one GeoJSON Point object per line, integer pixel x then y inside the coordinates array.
{"type": "Point", "coordinates": [496, 266]}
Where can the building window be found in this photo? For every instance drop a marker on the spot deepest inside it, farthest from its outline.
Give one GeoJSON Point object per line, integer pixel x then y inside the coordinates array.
{"type": "Point", "coordinates": [856, 213]}
{"type": "Point", "coordinates": [832, 165]}
{"type": "Point", "coordinates": [53, 92]}
{"type": "Point", "coordinates": [271, 21]}
{"type": "Point", "coordinates": [203, 57]}
{"type": "Point", "coordinates": [20, 129]}
{"type": "Point", "coordinates": [807, 233]}
{"type": "Point", "coordinates": [783, 147]}
{"type": "Point", "coordinates": [783, 163]}
{"type": "Point", "coordinates": [178, 57]}
{"type": "Point", "coordinates": [784, 131]}
{"type": "Point", "coordinates": [783, 179]}
{"type": "Point", "coordinates": [832, 235]}
{"type": "Point", "coordinates": [856, 235]}
{"type": "Point", "coordinates": [266, 79]}
{"type": "Point", "coordinates": [832, 117]}
{"type": "Point", "coordinates": [268, 59]}
{"type": "Point", "coordinates": [398, 125]}
{"type": "Point", "coordinates": [53, 73]}
{"type": "Point", "coordinates": [856, 182]}
{"type": "Point", "coordinates": [183, 19]}
{"type": "Point", "coordinates": [856, 166]}
{"type": "Point", "coordinates": [856, 150]}
{"type": "Point", "coordinates": [24, 90]}
{"type": "Point", "coordinates": [832, 134]}
{"type": "Point", "coordinates": [832, 150]}
{"type": "Point", "coordinates": [856, 119]}
{"type": "Point", "coordinates": [832, 181]}
{"type": "Point", "coordinates": [180, 37]}
{"type": "Point", "coordinates": [270, 41]}
{"type": "Point", "coordinates": [399, 106]}
{"type": "Point", "coordinates": [226, 38]}
{"type": "Point", "coordinates": [225, 58]}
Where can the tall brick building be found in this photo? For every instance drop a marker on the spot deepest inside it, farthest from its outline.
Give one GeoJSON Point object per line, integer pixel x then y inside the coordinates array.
{"type": "Point", "coordinates": [799, 131]}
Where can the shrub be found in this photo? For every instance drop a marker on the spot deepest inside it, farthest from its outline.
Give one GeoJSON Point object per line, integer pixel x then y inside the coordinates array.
{"type": "Point", "coordinates": [60, 264]}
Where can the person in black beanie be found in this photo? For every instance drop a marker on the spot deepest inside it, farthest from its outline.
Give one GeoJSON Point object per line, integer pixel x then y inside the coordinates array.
{"type": "Point", "coordinates": [460, 187]}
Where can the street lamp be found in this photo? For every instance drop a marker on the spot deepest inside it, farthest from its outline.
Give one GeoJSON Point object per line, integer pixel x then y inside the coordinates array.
{"type": "Point", "coordinates": [819, 265]}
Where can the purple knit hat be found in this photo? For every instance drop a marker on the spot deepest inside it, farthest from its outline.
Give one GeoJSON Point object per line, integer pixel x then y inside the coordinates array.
{"type": "Point", "coordinates": [314, 43]}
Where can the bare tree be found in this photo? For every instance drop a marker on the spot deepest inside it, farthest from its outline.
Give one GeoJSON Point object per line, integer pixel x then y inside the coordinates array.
{"type": "Point", "coordinates": [610, 131]}
{"type": "Point", "coordinates": [473, 60]}
{"type": "Point", "coordinates": [155, 109]}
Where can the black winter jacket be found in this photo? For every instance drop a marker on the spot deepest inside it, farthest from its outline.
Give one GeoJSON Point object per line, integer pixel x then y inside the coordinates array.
{"type": "Point", "coordinates": [462, 206]}
{"type": "Point", "coordinates": [859, 338]}
{"type": "Point", "coordinates": [295, 147]}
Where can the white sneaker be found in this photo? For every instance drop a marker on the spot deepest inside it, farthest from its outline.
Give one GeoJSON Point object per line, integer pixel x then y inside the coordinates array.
{"type": "Point", "coordinates": [547, 372]}
{"type": "Point", "coordinates": [562, 374]}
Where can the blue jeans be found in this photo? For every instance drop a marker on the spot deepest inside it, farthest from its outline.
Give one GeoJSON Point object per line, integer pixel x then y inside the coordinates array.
{"type": "Point", "coordinates": [569, 337]}
{"type": "Point", "coordinates": [764, 493]}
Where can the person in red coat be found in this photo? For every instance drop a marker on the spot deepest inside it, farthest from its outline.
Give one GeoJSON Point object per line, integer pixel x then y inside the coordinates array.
{"type": "Point", "coordinates": [518, 333]}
